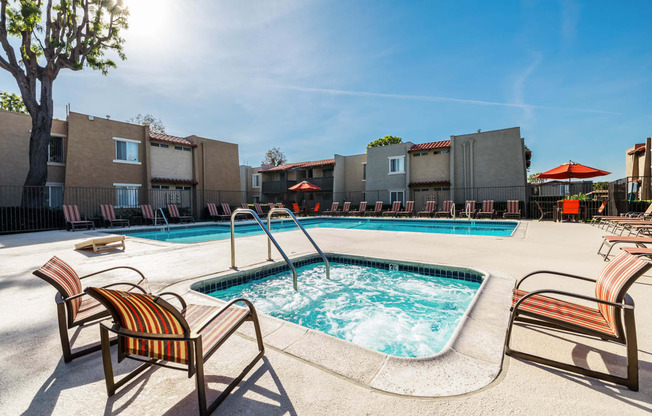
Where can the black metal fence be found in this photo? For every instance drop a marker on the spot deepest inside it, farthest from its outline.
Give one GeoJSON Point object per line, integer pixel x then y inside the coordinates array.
{"type": "Point", "coordinates": [48, 215]}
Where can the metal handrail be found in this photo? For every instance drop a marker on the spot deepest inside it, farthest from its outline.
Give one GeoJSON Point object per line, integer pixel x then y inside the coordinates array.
{"type": "Point", "coordinates": [269, 245]}
{"type": "Point", "coordinates": [167, 224]}
{"type": "Point", "coordinates": [453, 210]}
{"type": "Point", "coordinates": [468, 211]}
{"type": "Point", "coordinates": [260, 222]}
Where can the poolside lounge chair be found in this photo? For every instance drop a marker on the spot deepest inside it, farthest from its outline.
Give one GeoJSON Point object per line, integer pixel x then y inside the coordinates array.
{"type": "Point", "coordinates": [73, 307]}
{"type": "Point", "coordinates": [447, 211]}
{"type": "Point", "coordinates": [279, 205]}
{"type": "Point", "coordinates": [378, 209]}
{"type": "Point", "coordinates": [315, 210]}
{"type": "Point", "coordinates": [487, 209]}
{"type": "Point", "coordinates": [295, 208]}
{"type": "Point", "coordinates": [428, 209]}
{"type": "Point", "coordinates": [213, 213]}
{"type": "Point", "coordinates": [109, 216]}
{"type": "Point", "coordinates": [152, 331]}
{"type": "Point", "coordinates": [226, 209]}
{"type": "Point", "coordinates": [469, 210]}
{"type": "Point", "coordinates": [571, 208]}
{"type": "Point", "coordinates": [244, 205]}
{"type": "Point", "coordinates": [596, 218]}
{"type": "Point", "coordinates": [513, 211]}
{"type": "Point", "coordinates": [362, 209]}
{"type": "Point", "coordinates": [408, 211]}
{"type": "Point", "coordinates": [174, 214]}
{"type": "Point", "coordinates": [610, 241]}
{"type": "Point", "coordinates": [258, 209]}
{"type": "Point", "coordinates": [74, 220]}
{"type": "Point", "coordinates": [611, 319]}
{"type": "Point", "coordinates": [271, 205]}
{"type": "Point", "coordinates": [393, 211]}
{"type": "Point", "coordinates": [333, 209]}
{"type": "Point", "coordinates": [346, 208]}
{"type": "Point", "coordinates": [148, 214]}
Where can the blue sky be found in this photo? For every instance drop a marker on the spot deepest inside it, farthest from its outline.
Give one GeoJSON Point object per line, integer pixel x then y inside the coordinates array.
{"type": "Point", "coordinates": [321, 77]}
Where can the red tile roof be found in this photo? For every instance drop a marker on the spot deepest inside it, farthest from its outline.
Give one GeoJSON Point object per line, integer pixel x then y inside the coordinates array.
{"type": "Point", "coordinates": [429, 184]}
{"type": "Point", "coordinates": [300, 165]}
{"type": "Point", "coordinates": [430, 145]}
{"type": "Point", "coordinates": [175, 181]}
{"type": "Point", "coordinates": [159, 137]}
{"type": "Point", "coordinates": [639, 147]}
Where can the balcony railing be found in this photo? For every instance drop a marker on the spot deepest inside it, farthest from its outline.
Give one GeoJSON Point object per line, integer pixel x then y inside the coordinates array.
{"type": "Point", "coordinates": [277, 187]}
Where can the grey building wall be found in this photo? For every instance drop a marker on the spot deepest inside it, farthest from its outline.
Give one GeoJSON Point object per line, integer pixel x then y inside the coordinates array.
{"type": "Point", "coordinates": [246, 182]}
{"type": "Point", "coordinates": [348, 181]}
{"type": "Point", "coordinates": [486, 161]}
{"type": "Point", "coordinates": [378, 176]}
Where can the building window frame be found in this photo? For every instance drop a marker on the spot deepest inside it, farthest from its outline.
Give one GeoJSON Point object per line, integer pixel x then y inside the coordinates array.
{"type": "Point", "coordinates": [364, 171]}
{"type": "Point", "coordinates": [50, 194]}
{"type": "Point", "coordinates": [396, 192]}
{"type": "Point", "coordinates": [127, 194]}
{"type": "Point", "coordinates": [161, 145]}
{"type": "Point", "coordinates": [255, 180]}
{"type": "Point", "coordinates": [399, 165]}
{"type": "Point", "coordinates": [128, 145]}
{"type": "Point", "coordinates": [441, 152]}
{"type": "Point", "coordinates": [62, 162]}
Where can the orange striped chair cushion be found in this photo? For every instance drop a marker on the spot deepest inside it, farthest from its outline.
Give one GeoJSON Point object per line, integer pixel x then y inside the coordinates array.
{"type": "Point", "coordinates": [614, 277]}
{"type": "Point", "coordinates": [346, 207]}
{"type": "Point", "coordinates": [448, 205]}
{"type": "Point", "coordinates": [512, 207]}
{"type": "Point", "coordinates": [409, 206]}
{"type": "Point", "coordinates": [430, 206]}
{"type": "Point", "coordinates": [258, 209]}
{"type": "Point", "coordinates": [363, 206]}
{"type": "Point", "coordinates": [71, 212]}
{"type": "Point", "coordinates": [470, 205]}
{"type": "Point", "coordinates": [197, 315]}
{"type": "Point", "coordinates": [174, 212]}
{"type": "Point", "coordinates": [379, 206]}
{"type": "Point", "coordinates": [396, 205]}
{"type": "Point", "coordinates": [59, 274]}
{"type": "Point", "coordinates": [487, 206]}
{"type": "Point", "coordinates": [563, 311]}
{"type": "Point", "coordinates": [147, 211]}
{"type": "Point", "coordinates": [226, 208]}
{"type": "Point", "coordinates": [107, 212]}
{"type": "Point", "coordinates": [212, 210]}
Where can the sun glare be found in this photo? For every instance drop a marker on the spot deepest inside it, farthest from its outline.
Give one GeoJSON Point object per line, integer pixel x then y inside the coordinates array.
{"type": "Point", "coordinates": [148, 18]}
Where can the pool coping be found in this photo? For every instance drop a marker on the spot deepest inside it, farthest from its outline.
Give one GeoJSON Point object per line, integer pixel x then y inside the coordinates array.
{"type": "Point", "coordinates": [471, 360]}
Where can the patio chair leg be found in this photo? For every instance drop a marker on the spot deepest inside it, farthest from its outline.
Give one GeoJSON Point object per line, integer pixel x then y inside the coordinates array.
{"type": "Point", "coordinates": [63, 332]}
{"type": "Point", "coordinates": [632, 350]}
{"type": "Point", "coordinates": [106, 361]}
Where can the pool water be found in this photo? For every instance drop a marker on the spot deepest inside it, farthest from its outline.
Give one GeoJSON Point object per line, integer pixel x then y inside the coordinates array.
{"type": "Point", "coordinates": [394, 312]}
{"type": "Point", "coordinates": [223, 231]}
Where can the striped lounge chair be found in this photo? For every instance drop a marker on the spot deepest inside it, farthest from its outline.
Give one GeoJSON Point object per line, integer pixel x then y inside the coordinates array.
{"type": "Point", "coordinates": [333, 209]}
{"type": "Point", "coordinates": [610, 241]}
{"type": "Point", "coordinates": [109, 216]}
{"type": "Point", "coordinates": [74, 308]}
{"type": "Point", "coordinates": [393, 211]}
{"type": "Point", "coordinates": [448, 210]}
{"type": "Point", "coordinates": [152, 331]}
{"type": "Point", "coordinates": [513, 211]}
{"type": "Point", "coordinates": [213, 213]}
{"type": "Point", "coordinates": [148, 214]}
{"type": "Point", "coordinates": [378, 209]}
{"type": "Point", "coordinates": [258, 209]}
{"type": "Point", "coordinates": [469, 209]}
{"type": "Point", "coordinates": [408, 211]}
{"type": "Point", "coordinates": [362, 209]}
{"type": "Point", "coordinates": [487, 210]}
{"type": "Point", "coordinates": [346, 208]}
{"type": "Point", "coordinates": [74, 220]}
{"type": "Point", "coordinates": [611, 319]}
{"type": "Point", "coordinates": [279, 205]}
{"type": "Point", "coordinates": [428, 209]}
{"type": "Point", "coordinates": [174, 214]}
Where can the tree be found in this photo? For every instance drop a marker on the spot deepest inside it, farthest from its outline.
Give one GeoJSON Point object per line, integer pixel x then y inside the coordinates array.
{"type": "Point", "coordinates": [274, 157]}
{"type": "Point", "coordinates": [533, 178]}
{"type": "Point", "coordinates": [385, 141]}
{"type": "Point", "coordinates": [11, 102]}
{"type": "Point", "coordinates": [155, 124]}
{"type": "Point", "coordinates": [51, 35]}
{"type": "Point", "coordinates": [600, 185]}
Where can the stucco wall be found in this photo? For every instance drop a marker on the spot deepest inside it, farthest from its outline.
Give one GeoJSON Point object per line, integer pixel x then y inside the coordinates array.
{"type": "Point", "coordinates": [429, 168]}
{"type": "Point", "coordinates": [216, 167]}
{"type": "Point", "coordinates": [378, 177]}
{"type": "Point", "coordinates": [171, 163]}
{"type": "Point", "coordinates": [15, 130]}
{"type": "Point", "coordinates": [348, 173]}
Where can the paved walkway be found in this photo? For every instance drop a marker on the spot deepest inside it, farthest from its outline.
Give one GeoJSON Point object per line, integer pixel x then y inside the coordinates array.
{"type": "Point", "coordinates": [34, 380]}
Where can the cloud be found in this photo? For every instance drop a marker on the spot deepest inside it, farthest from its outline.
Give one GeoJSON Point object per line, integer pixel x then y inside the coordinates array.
{"type": "Point", "coordinates": [430, 98]}
{"type": "Point", "coordinates": [519, 89]}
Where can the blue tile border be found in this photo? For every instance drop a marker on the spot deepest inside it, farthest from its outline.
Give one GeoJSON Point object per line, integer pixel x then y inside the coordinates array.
{"type": "Point", "coordinates": [212, 285]}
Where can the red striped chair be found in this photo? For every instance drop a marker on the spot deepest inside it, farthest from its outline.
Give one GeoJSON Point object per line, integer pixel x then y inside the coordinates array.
{"type": "Point", "coordinates": [74, 220]}
{"type": "Point", "coordinates": [393, 211]}
{"type": "Point", "coordinates": [109, 216]}
{"type": "Point", "coordinates": [487, 210]}
{"type": "Point", "coordinates": [362, 209]}
{"type": "Point", "coordinates": [174, 214]}
{"type": "Point", "coordinates": [447, 211]}
{"type": "Point", "coordinates": [258, 209]}
{"type": "Point", "coordinates": [279, 205]}
{"type": "Point", "coordinates": [428, 209]}
{"type": "Point", "coordinates": [346, 208]}
{"type": "Point", "coordinates": [408, 211]}
{"type": "Point", "coordinates": [612, 318]}
{"type": "Point", "coordinates": [469, 209]}
{"type": "Point", "coordinates": [378, 209]}
{"type": "Point", "coordinates": [151, 330]}
{"type": "Point", "coordinates": [148, 213]}
{"type": "Point", "coordinates": [212, 211]}
{"type": "Point", "coordinates": [333, 209]}
{"type": "Point", "coordinates": [513, 210]}
{"type": "Point", "coordinates": [73, 307]}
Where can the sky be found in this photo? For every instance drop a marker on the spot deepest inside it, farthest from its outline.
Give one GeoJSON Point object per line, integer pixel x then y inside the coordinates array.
{"type": "Point", "coordinates": [316, 78]}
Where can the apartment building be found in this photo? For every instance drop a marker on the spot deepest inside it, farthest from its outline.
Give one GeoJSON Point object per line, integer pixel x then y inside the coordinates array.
{"type": "Point", "coordinates": [124, 164]}
{"type": "Point", "coordinates": [638, 169]}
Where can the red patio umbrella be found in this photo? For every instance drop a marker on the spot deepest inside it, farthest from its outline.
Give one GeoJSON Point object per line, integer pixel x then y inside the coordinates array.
{"type": "Point", "coordinates": [572, 170]}
{"type": "Point", "coordinates": [304, 186]}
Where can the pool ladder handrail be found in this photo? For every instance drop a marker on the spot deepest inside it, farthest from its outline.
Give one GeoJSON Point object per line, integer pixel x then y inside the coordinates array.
{"type": "Point", "coordinates": [167, 225]}
{"type": "Point", "coordinates": [266, 230]}
{"type": "Point", "coordinates": [468, 211]}
{"type": "Point", "coordinates": [453, 210]}
{"type": "Point", "coordinates": [287, 211]}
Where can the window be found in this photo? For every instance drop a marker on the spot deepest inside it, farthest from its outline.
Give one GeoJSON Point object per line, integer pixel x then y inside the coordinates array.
{"type": "Point", "coordinates": [55, 150]}
{"type": "Point", "coordinates": [256, 199]}
{"type": "Point", "coordinates": [126, 195]}
{"type": "Point", "coordinates": [397, 196]}
{"type": "Point", "coordinates": [364, 171]}
{"type": "Point", "coordinates": [183, 188]}
{"type": "Point", "coordinates": [54, 195]}
{"type": "Point", "coordinates": [183, 149]}
{"type": "Point", "coordinates": [420, 154]}
{"type": "Point", "coordinates": [160, 187]}
{"type": "Point", "coordinates": [309, 173]}
{"type": "Point", "coordinates": [186, 149]}
{"type": "Point", "coordinates": [161, 145]}
{"type": "Point", "coordinates": [255, 180]}
{"type": "Point", "coordinates": [442, 152]}
{"type": "Point", "coordinates": [126, 151]}
{"type": "Point", "coordinates": [396, 164]}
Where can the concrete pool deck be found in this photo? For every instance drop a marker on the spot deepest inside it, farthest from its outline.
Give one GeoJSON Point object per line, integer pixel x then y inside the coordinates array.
{"type": "Point", "coordinates": [34, 380]}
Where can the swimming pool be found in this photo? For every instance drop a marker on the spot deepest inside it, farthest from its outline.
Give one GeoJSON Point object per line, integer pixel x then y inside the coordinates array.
{"type": "Point", "coordinates": [398, 309]}
{"type": "Point", "coordinates": [221, 231]}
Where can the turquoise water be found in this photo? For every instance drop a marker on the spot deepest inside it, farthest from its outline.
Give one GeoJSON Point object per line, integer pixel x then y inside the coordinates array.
{"type": "Point", "coordinates": [222, 231]}
{"type": "Point", "coordinates": [398, 313]}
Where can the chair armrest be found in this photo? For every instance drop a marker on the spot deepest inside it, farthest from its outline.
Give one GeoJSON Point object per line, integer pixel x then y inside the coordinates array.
{"type": "Point", "coordinates": [177, 296]}
{"type": "Point", "coordinates": [573, 295]}
{"type": "Point", "coordinates": [252, 310]}
{"type": "Point", "coordinates": [573, 276]}
{"type": "Point", "coordinates": [114, 268]}
{"type": "Point", "coordinates": [127, 284]}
